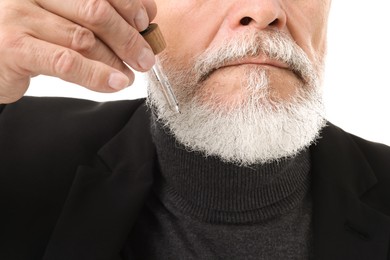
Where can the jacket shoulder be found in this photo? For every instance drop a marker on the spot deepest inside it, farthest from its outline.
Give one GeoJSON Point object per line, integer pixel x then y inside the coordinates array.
{"type": "Point", "coordinates": [358, 165]}
{"type": "Point", "coordinates": [378, 157]}
{"type": "Point", "coordinates": [42, 143]}
{"type": "Point", "coordinates": [62, 120]}
{"type": "Point", "coordinates": [376, 154]}
{"type": "Point", "coordinates": [58, 130]}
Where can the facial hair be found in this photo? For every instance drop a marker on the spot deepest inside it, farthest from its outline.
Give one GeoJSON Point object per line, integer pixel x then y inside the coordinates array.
{"type": "Point", "coordinates": [256, 127]}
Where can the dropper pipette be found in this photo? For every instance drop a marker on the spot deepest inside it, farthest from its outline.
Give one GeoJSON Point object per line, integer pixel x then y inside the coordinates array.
{"type": "Point", "coordinates": [155, 39]}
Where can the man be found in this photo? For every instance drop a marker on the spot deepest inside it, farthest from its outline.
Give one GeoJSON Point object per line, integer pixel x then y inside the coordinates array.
{"type": "Point", "coordinates": [249, 168]}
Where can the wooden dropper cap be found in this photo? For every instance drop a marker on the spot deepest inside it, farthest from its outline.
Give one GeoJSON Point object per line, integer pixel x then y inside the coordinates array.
{"type": "Point", "coordinates": [154, 37]}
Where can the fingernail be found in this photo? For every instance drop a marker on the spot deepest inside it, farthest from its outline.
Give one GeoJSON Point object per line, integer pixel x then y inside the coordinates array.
{"type": "Point", "coordinates": [146, 59]}
{"type": "Point", "coordinates": [118, 81]}
{"type": "Point", "coordinates": [141, 20]}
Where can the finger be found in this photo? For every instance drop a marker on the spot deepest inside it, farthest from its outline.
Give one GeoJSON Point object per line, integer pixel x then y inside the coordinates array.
{"type": "Point", "coordinates": [133, 12]}
{"type": "Point", "coordinates": [45, 58]}
{"type": "Point", "coordinates": [73, 36]}
{"type": "Point", "coordinates": [151, 8]}
{"type": "Point", "coordinates": [101, 18]}
{"type": "Point", "coordinates": [142, 18]}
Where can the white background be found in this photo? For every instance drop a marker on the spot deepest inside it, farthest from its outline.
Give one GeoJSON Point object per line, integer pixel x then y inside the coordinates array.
{"type": "Point", "coordinates": [356, 86]}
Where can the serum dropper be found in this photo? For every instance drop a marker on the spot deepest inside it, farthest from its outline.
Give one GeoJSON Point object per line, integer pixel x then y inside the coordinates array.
{"type": "Point", "coordinates": [155, 39]}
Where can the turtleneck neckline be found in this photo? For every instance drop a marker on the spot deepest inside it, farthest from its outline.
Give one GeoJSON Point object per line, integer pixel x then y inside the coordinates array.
{"type": "Point", "coordinates": [214, 191]}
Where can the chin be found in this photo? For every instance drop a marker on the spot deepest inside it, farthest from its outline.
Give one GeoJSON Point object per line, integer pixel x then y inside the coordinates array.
{"type": "Point", "coordinates": [247, 128]}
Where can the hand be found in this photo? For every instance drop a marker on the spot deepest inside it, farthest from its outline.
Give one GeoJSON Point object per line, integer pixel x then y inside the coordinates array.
{"type": "Point", "coordinates": [80, 41]}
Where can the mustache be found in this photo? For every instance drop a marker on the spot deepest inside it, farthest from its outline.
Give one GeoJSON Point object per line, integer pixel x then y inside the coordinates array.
{"type": "Point", "coordinates": [273, 45]}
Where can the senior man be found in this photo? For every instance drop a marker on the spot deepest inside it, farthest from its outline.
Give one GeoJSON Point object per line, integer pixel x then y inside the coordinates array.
{"type": "Point", "coordinates": [249, 168]}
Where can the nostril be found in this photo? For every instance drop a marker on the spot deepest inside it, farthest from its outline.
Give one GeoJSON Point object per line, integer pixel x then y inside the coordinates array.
{"type": "Point", "coordinates": [274, 22]}
{"type": "Point", "coordinates": [246, 20]}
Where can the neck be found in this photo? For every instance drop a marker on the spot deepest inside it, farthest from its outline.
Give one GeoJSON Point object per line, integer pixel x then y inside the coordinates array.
{"type": "Point", "coordinates": [220, 192]}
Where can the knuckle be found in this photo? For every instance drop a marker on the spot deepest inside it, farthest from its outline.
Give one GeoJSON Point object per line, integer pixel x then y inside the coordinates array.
{"type": "Point", "coordinates": [90, 79]}
{"type": "Point", "coordinates": [115, 62]}
{"type": "Point", "coordinates": [130, 43]}
{"type": "Point", "coordinates": [95, 12]}
{"type": "Point", "coordinates": [64, 62]}
{"type": "Point", "coordinates": [83, 40]}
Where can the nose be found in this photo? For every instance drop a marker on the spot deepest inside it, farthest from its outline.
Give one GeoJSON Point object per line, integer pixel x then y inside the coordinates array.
{"type": "Point", "coordinates": [260, 14]}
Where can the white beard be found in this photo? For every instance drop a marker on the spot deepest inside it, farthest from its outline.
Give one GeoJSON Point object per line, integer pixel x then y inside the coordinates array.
{"type": "Point", "coordinates": [257, 129]}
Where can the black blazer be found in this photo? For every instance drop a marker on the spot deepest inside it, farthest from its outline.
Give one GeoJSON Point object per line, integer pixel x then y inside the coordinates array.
{"type": "Point", "coordinates": [74, 175]}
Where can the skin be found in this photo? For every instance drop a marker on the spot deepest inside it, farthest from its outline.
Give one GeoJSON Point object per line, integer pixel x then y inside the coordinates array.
{"type": "Point", "coordinates": [192, 26]}
{"type": "Point", "coordinates": [86, 41]}
{"type": "Point", "coordinates": [80, 41]}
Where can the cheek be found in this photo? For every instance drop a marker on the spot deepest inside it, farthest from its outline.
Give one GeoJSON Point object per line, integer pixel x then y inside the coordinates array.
{"type": "Point", "coordinates": [320, 39]}
{"type": "Point", "coordinates": [318, 28]}
{"type": "Point", "coordinates": [307, 25]}
{"type": "Point", "coordinates": [186, 32]}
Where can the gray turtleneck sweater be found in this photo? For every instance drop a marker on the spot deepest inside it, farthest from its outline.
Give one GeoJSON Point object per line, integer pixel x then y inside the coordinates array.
{"type": "Point", "coordinates": [203, 208]}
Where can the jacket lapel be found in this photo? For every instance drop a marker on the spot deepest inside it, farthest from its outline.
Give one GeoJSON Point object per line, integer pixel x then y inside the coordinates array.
{"type": "Point", "coordinates": [105, 198]}
{"type": "Point", "coordinates": [344, 226]}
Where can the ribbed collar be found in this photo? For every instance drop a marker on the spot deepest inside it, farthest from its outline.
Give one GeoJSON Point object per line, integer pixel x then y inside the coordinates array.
{"type": "Point", "coordinates": [214, 191]}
